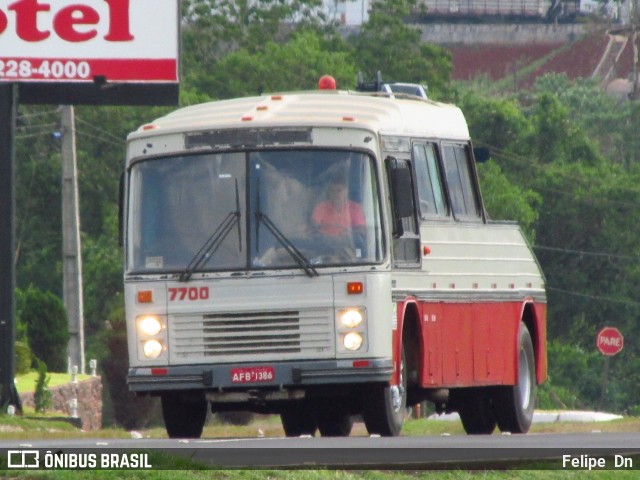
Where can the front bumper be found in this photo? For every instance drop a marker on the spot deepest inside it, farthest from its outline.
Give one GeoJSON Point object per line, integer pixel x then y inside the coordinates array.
{"type": "Point", "coordinates": [287, 374]}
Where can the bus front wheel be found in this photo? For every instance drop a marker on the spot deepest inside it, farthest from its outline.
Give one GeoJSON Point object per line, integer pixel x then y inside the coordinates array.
{"type": "Point", "coordinates": [184, 417]}
{"type": "Point", "coordinates": [297, 420]}
{"type": "Point", "coordinates": [384, 408]}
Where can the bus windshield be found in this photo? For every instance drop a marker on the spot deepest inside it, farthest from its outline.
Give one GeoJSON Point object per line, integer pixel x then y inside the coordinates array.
{"type": "Point", "coordinates": [275, 209]}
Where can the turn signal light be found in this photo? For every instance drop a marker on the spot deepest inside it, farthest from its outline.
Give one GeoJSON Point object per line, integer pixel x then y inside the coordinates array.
{"type": "Point", "coordinates": [145, 296]}
{"type": "Point", "coordinates": [355, 288]}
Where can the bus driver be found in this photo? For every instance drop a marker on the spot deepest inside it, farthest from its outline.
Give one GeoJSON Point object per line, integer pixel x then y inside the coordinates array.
{"type": "Point", "coordinates": [337, 215]}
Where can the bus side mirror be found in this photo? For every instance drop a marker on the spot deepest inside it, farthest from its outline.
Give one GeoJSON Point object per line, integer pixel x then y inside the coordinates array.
{"type": "Point", "coordinates": [402, 192]}
{"type": "Point", "coordinates": [481, 154]}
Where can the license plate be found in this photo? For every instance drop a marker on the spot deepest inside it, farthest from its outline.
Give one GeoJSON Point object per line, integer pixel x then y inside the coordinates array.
{"type": "Point", "coordinates": [253, 375]}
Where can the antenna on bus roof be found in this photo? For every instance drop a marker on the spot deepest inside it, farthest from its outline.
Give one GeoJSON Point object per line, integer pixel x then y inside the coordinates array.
{"type": "Point", "coordinates": [375, 86]}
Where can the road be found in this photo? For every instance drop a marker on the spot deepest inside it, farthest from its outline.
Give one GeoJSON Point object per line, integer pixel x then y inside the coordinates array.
{"type": "Point", "coordinates": [484, 451]}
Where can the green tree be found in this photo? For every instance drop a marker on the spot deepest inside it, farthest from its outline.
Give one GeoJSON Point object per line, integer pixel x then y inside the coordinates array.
{"type": "Point", "coordinates": [47, 328]}
{"type": "Point", "coordinates": [295, 65]}
{"type": "Point", "coordinates": [38, 200]}
{"type": "Point", "coordinates": [213, 29]}
{"type": "Point", "coordinates": [102, 275]}
{"type": "Point", "coordinates": [42, 397]}
{"type": "Point", "coordinates": [388, 44]}
{"type": "Point", "coordinates": [603, 118]}
{"type": "Point", "coordinates": [497, 123]}
{"type": "Point", "coordinates": [507, 201]}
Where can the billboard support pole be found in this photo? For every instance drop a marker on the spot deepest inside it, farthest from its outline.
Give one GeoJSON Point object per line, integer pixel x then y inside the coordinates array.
{"type": "Point", "coordinates": [8, 108]}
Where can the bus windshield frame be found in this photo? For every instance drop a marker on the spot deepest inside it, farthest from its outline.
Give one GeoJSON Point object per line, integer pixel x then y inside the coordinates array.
{"type": "Point", "coordinates": [254, 210]}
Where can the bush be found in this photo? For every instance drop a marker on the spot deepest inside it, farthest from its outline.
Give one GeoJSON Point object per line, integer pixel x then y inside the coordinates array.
{"type": "Point", "coordinates": [42, 397]}
{"type": "Point", "coordinates": [574, 377]}
{"type": "Point", "coordinates": [23, 357]}
{"type": "Point", "coordinates": [47, 328]}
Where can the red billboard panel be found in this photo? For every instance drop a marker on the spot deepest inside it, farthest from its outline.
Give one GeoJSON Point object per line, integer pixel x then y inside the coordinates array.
{"type": "Point", "coordinates": [98, 42]}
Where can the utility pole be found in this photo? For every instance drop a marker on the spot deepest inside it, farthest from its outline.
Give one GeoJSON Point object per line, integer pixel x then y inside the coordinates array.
{"type": "Point", "coordinates": [8, 108]}
{"type": "Point", "coordinates": [634, 38]}
{"type": "Point", "coordinates": [72, 257]}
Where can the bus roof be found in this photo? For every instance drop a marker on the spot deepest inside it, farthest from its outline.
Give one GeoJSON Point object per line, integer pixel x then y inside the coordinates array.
{"type": "Point", "coordinates": [382, 113]}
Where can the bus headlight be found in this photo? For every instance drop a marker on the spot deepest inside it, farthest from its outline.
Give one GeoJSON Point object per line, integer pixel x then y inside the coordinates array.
{"type": "Point", "coordinates": [149, 325]}
{"type": "Point", "coordinates": [152, 341]}
{"type": "Point", "coordinates": [351, 330]}
{"type": "Point", "coordinates": [152, 349]}
{"type": "Point", "coordinates": [352, 341]}
{"type": "Point", "coordinates": [350, 318]}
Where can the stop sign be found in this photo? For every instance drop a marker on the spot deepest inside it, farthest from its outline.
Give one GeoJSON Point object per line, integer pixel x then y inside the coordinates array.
{"type": "Point", "coordinates": [609, 341]}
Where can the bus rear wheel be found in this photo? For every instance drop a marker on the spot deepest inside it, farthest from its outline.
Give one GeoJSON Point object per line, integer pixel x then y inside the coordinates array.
{"type": "Point", "coordinates": [476, 412]}
{"type": "Point", "coordinates": [184, 417]}
{"type": "Point", "coordinates": [384, 408]}
{"type": "Point", "coordinates": [513, 405]}
{"type": "Point", "coordinates": [333, 421]}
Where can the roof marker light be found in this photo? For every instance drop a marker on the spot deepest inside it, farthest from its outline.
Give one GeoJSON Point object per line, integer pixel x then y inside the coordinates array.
{"type": "Point", "coordinates": [149, 126]}
{"type": "Point", "coordinates": [327, 82]}
{"type": "Point", "coordinates": [247, 118]}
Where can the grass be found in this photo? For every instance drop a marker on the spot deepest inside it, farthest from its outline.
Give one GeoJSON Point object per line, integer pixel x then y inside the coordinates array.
{"type": "Point", "coordinates": [27, 383]}
{"type": "Point", "coordinates": [31, 426]}
{"type": "Point", "coordinates": [192, 472]}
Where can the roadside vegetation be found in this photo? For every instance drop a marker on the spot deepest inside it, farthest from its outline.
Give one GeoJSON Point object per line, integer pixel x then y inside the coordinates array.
{"type": "Point", "coordinates": [50, 426]}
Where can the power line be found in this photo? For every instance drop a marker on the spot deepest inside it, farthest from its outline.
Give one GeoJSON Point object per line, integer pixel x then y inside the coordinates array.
{"type": "Point", "coordinates": [599, 298]}
{"type": "Point", "coordinates": [517, 159]}
{"type": "Point", "coordinates": [584, 201]}
{"type": "Point", "coordinates": [38, 126]}
{"type": "Point", "coordinates": [100, 130]}
{"type": "Point", "coordinates": [97, 137]}
{"type": "Point", "coordinates": [587, 253]}
{"type": "Point", "coordinates": [23, 116]}
{"type": "Point", "coordinates": [32, 135]}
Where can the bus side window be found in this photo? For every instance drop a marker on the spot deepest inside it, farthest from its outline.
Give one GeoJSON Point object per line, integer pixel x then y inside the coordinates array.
{"type": "Point", "coordinates": [429, 181]}
{"type": "Point", "coordinates": [457, 167]}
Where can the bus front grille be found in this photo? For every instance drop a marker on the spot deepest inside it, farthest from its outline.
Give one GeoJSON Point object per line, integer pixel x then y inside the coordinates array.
{"type": "Point", "coordinates": [240, 336]}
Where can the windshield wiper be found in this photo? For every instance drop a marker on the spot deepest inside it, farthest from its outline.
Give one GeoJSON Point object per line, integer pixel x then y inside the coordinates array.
{"type": "Point", "coordinates": [212, 244]}
{"type": "Point", "coordinates": [296, 254]}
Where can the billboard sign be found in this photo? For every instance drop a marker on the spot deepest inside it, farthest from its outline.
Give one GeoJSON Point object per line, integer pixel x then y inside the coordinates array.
{"type": "Point", "coordinates": [89, 40]}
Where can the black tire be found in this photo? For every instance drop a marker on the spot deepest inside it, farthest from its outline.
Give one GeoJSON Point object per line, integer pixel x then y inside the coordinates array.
{"type": "Point", "coordinates": [183, 417]}
{"type": "Point", "coordinates": [298, 419]}
{"type": "Point", "coordinates": [476, 413]}
{"type": "Point", "coordinates": [513, 405]}
{"type": "Point", "coordinates": [333, 422]}
{"type": "Point", "coordinates": [385, 406]}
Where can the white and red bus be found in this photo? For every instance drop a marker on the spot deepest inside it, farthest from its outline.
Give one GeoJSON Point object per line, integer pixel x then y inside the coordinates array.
{"type": "Point", "coordinates": [324, 255]}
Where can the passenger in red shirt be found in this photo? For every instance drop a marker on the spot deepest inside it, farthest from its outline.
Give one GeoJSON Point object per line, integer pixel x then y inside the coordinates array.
{"type": "Point", "coordinates": [338, 215]}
